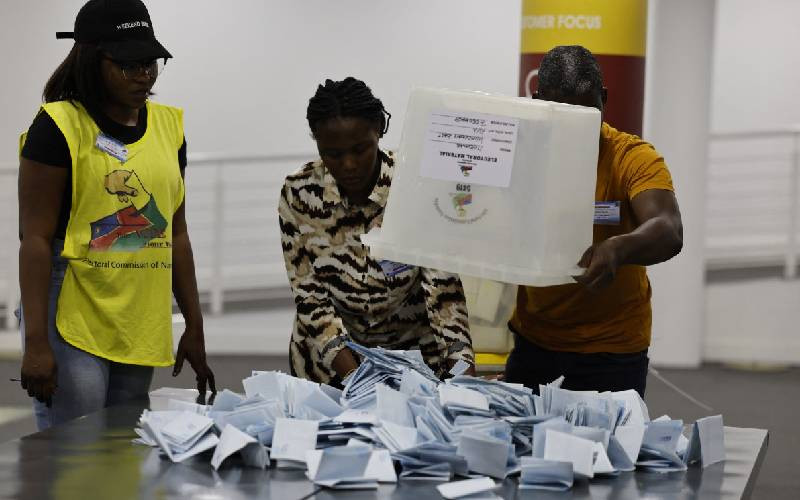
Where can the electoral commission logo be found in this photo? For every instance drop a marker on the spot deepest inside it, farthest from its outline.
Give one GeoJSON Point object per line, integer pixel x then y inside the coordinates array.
{"type": "Point", "coordinates": [461, 202]}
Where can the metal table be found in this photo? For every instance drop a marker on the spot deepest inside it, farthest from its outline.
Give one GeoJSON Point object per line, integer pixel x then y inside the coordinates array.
{"type": "Point", "coordinates": [93, 457]}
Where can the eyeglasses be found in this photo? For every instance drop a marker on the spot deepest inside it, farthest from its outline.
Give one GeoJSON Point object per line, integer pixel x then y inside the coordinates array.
{"type": "Point", "coordinates": [137, 69]}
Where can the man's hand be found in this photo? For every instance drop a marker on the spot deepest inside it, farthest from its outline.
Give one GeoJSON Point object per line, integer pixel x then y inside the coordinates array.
{"type": "Point", "coordinates": [192, 348]}
{"type": "Point", "coordinates": [658, 237]}
{"type": "Point", "coordinates": [601, 262]}
{"type": "Point", "coordinates": [38, 374]}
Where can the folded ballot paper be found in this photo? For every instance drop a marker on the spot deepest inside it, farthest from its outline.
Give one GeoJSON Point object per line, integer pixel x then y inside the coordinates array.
{"type": "Point", "coordinates": [179, 434]}
{"type": "Point", "coordinates": [291, 440]}
{"type": "Point", "coordinates": [232, 440]}
{"type": "Point", "coordinates": [341, 467]}
{"type": "Point", "coordinates": [431, 461]}
{"type": "Point", "coordinates": [538, 473]}
{"type": "Point", "coordinates": [480, 168]}
{"type": "Point", "coordinates": [479, 487]}
{"type": "Point", "coordinates": [707, 442]}
{"type": "Point", "coordinates": [394, 412]}
{"type": "Point", "coordinates": [658, 452]}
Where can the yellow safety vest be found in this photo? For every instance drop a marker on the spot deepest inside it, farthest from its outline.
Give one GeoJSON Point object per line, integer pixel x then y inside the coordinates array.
{"type": "Point", "coordinates": [116, 300]}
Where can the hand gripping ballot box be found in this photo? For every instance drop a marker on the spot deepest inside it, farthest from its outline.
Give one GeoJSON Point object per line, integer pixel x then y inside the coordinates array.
{"type": "Point", "coordinates": [492, 186]}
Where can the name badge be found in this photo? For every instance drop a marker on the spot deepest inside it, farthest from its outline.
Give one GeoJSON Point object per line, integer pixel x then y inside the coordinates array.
{"type": "Point", "coordinates": [606, 213]}
{"type": "Point", "coordinates": [391, 269]}
{"type": "Point", "coordinates": [112, 147]}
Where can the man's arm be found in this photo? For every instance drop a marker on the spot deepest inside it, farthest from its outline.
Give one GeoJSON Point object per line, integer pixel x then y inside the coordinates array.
{"type": "Point", "coordinates": [658, 237]}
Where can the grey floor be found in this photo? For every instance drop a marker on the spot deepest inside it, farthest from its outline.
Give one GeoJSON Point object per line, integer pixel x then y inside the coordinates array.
{"type": "Point", "coordinates": [745, 398]}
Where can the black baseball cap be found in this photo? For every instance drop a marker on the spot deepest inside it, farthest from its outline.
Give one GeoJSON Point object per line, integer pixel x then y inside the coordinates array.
{"type": "Point", "coordinates": [120, 27]}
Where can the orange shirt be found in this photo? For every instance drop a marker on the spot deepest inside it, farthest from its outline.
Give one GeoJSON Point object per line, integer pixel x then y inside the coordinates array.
{"type": "Point", "coordinates": [617, 318]}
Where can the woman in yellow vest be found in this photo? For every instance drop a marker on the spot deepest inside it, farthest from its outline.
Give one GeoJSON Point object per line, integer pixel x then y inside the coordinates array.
{"type": "Point", "coordinates": [103, 235]}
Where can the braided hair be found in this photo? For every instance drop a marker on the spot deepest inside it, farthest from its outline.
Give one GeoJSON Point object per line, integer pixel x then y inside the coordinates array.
{"type": "Point", "coordinates": [347, 98]}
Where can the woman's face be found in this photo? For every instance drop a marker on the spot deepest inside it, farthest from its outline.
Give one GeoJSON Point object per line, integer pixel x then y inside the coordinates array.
{"type": "Point", "coordinates": [349, 149]}
{"type": "Point", "coordinates": [129, 88]}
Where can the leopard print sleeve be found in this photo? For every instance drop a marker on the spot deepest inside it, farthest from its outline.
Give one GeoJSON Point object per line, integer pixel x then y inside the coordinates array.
{"type": "Point", "coordinates": [319, 334]}
{"type": "Point", "coordinates": [447, 311]}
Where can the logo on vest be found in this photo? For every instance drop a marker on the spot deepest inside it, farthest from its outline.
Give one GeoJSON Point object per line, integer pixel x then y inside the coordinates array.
{"type": "Point", "coordinates": [133, 226]}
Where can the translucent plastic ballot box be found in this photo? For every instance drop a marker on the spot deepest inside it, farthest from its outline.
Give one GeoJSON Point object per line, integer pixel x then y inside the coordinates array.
{"type": "Point", "coordinates": [492, 186]}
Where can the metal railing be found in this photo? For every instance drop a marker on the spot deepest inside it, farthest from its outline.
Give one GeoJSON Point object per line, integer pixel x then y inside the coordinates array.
{"type": "Point", "coordinates": [221, 164]}
{"type": "Point", "coordinates": [752, 213]}
{"type": "Point", "coordinates": [225, 195]}
{"type": "Point", "coordinates": [232, 206]}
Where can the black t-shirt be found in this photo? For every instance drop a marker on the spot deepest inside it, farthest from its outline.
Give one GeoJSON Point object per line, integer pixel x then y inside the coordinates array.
{"type": "Point", "coordinates": [46, 144]}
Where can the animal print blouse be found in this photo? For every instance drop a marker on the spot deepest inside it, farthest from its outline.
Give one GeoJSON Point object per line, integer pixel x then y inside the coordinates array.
{"type": "Point", "coordinates": [342, 293]}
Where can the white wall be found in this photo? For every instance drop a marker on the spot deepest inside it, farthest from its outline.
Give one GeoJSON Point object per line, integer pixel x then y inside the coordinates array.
{"type": "Point", "coordinates": [244, 70]}
{"type": "Point", "coordinates": [753, 321]}
{"type": "Point", "coordinates": [756, 73]}
{"type": "Point", "coordinates": [755, 83]}
{"type": "Point", "coordinates": [30, 53]}
{"type": "Point", "coordinates": [677, 121]}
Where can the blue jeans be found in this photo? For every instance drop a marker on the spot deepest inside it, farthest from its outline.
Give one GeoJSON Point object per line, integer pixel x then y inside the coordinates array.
{"type": "Point", "coordinates": [86, 383]}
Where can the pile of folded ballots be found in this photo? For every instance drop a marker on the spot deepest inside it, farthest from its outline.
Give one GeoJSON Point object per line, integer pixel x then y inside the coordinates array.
{"type": "Point", "coordinates": [396, 419]}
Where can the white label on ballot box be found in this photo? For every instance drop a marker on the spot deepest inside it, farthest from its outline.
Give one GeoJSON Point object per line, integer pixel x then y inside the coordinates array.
{"type": "Point", "coordinates": [475, 148]}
